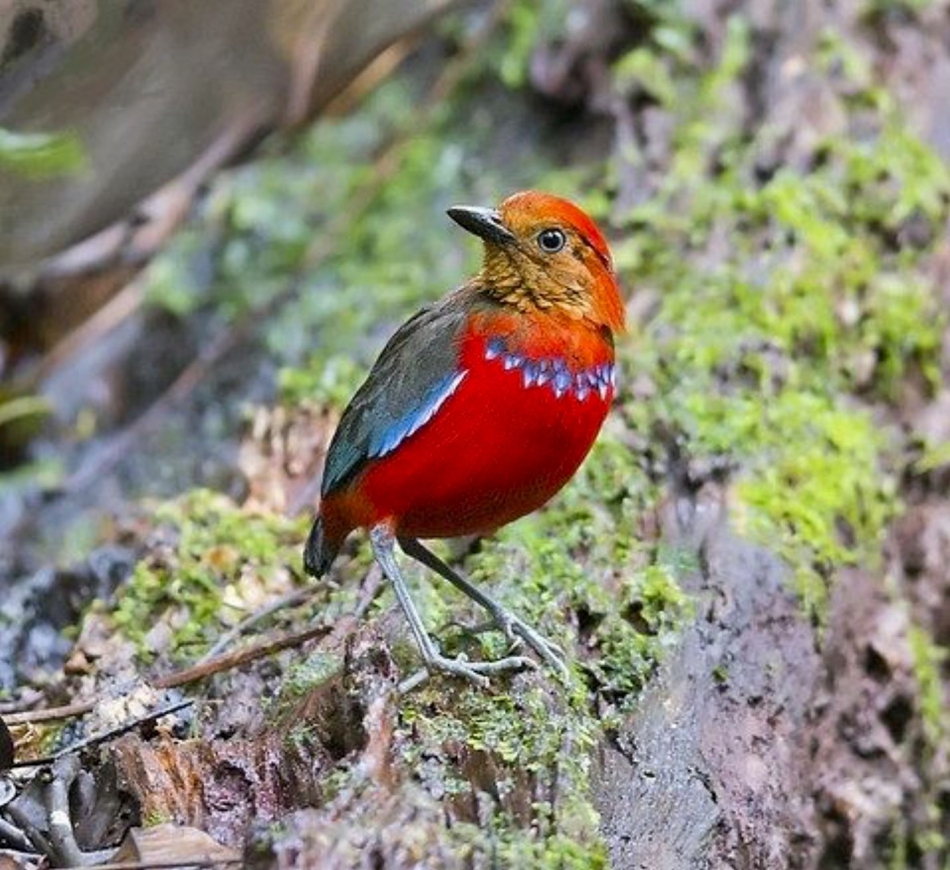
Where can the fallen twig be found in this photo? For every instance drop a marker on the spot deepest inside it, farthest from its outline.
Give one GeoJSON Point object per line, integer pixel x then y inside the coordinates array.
{"type": "Point", "coordinates": [370, 588]}
{"type": "Point", "coordinates": [67, 711]}
{"type": "Point", "coordinates": [178, 678]}
{"type": "Point", "coordinates": [107, 735]}
{"type": "Point", "coordinates": [291, 599]}
{"type": "Point", "coordinates": [239, 657]}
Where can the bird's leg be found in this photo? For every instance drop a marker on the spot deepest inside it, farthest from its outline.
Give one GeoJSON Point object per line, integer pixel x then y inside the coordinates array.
{"type": "Point", "coordinates": [382, 540]}
{"type": "Point", "coordinates": [513, 627]}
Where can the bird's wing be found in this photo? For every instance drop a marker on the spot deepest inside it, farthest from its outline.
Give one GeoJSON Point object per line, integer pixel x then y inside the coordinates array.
{"type": "Point", "coordinates": [416, 372]}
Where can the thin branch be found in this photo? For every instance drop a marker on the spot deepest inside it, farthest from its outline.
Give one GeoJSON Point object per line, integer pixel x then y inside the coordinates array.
{"type": "Point", "coordinates": [28, 698]}
{"type": "Point", "coordinates": [291, 599]}
{"type": "Point", "coordinates": [369, 590]}
{"type": "Point", "coordinates": [178, 678]}
{"type": "Point", "coordinates": [240, 657]}
{"type": "Point", "coordinates": [67, 711]}
{"type": "Point", "coordinates": [107, 735]}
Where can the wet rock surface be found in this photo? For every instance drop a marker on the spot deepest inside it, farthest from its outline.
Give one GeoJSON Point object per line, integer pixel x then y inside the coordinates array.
{"type": "Point", "coordinates": [713, 753]}
{"type": "Point", "coordinates": [34, 613]}
{"type": "Point", "coordinates": [765, 743]}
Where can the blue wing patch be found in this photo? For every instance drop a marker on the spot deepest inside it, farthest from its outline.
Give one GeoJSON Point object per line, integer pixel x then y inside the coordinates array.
{"type": "Point", "coordinates": [391, 436]}
{"type": "Point", "coordinates": [416, 372]}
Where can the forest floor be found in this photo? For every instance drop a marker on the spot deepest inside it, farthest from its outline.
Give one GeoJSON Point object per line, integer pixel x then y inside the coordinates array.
{"type": "Point", "coordinates": [751, 573]}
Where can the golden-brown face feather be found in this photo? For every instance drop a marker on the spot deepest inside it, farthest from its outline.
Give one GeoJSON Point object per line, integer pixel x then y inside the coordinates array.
{"type": "Point", "coordinates": [555, 261]}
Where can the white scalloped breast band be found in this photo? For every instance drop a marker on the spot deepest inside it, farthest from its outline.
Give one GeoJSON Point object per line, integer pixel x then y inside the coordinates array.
{"type": "Point", "coordinates": [553, 373]}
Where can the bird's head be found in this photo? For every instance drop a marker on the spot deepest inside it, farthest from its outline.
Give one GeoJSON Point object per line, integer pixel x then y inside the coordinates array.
{"type": "Point", "coordinates": [544, 254]}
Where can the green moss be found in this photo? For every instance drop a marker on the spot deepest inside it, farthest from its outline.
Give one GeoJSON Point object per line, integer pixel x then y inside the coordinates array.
{"type": "Point", "coordinates": [301, 737]}
{"type": "Point", "coordinates": [41, 155]}
{"type": "Point", "coordinates": [513, 846]}
{"type": "Point", "coordinates": [531, 742]}
{"type": "Point", "coordinates": [154, 818]}
{"type": "Point", "coordinates": [805, 297]}
{"type": "Point", "coordinates": [301, 680]}
{"type": "Point", "coordinates": [212, 562]}
{"type": "Point", "coordinates": [898, 8]}
{"type": "Point", "coordinates": [301, 677]}
{"type": "Point", "coordinates": [934, 456]}
{"type": "Point", "coordinates": [934, 708]}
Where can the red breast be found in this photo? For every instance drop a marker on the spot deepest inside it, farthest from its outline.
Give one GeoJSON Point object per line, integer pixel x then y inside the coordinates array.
{"type": "Point", "coordinates": [510, 436]}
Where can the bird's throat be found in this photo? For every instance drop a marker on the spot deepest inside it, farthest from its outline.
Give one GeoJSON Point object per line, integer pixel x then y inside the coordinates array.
{"type": "Point", "coordinates": [524, 286]}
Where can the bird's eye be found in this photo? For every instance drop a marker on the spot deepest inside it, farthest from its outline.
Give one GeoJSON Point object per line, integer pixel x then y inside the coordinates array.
{"type": "Point", "coordinates": [551, 241]}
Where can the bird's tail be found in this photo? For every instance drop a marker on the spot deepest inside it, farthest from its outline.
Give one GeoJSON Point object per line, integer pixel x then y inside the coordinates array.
{"type": "Point", "coordinates": [320, 551]}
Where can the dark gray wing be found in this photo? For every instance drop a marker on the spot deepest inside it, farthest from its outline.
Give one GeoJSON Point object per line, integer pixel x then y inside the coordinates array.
{"type": "Point", "coordinates": [416, 372]}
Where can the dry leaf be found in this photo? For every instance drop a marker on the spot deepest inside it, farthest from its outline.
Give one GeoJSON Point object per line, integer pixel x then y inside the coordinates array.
{"type": "Point", "coordinates": [169, 843]}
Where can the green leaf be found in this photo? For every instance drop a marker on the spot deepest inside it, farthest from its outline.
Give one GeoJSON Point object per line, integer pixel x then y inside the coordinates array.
{"type": "Point", "coordinates": [934, 457]}
{"type": "Point", "coordinates": [40, 155]}
{"type": "Point", "coordinates": [21, 407]}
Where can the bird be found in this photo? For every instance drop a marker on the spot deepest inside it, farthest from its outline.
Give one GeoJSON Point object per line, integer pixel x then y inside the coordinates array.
{"type": "Point", "coordinates": [478, 410]}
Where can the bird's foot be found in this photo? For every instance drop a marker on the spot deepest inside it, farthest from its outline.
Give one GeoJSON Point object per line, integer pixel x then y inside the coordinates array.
{"type": "Point", "coordinates": [518, 631]}
{"type": "Point", "coordinates": [476, 672]}
{"type": "Point", "coordinates": [515, 630]}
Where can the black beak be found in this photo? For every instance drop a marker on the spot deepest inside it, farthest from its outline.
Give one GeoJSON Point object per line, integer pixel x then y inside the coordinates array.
{"type": "Point", "coordinates": [485, 223]}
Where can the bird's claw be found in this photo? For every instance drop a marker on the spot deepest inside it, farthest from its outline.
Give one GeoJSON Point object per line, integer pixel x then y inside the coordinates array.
{"type": "Point", "coordinates": [478, 672]}
{"type": "Point", "coordinates": [518, 631]}
{"type": "Point", "coordinates": [475, 672]}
